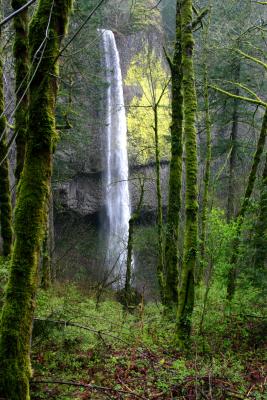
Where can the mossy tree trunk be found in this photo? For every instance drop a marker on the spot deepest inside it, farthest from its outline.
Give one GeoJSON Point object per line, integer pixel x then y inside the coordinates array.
{"type": "Point", "coordinates": [5, 195]}
{"type": "Point", "coordinates": [233, 142]}
{"type": "Point", "coordinates": [160, 263]}
{"type": "Point", "coordinates": [21, 58]}
{"type": "Point", "coordinates": [129, 262]}
{"type": "Point", "coordinates": [261, 228]}
{"type": "Point", "coordinates": [232, 274]}
{"type": "Point", "coordinates": [175, 180]}
{"type": "Point", "coordinates": [205, 202]}
{"type": "Point", "coordinates": [49, 22]}
{"type": "Point", "coordinates": [187, 287]}
{"type": "Point", "coordinates": [46, 254]}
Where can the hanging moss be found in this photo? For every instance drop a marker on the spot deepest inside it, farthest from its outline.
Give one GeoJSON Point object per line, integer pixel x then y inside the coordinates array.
{"type": "Point", "coordinates": [187, 287]}
{"type": "Point", "coordinates": [175, 180]}
{"type": "Point", "coordinates": [5, 195]}
{"type": "Point", "coordinates": [31, 209]}
{"type": "Point", "coordinates": [21, 58]}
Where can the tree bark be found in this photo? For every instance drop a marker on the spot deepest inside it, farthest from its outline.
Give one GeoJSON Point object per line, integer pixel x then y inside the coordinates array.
{"type": "Point", "coordinates": [49, 22]}
{"type": "Point", "coordinates": [175, 180]}
{"type": "Point", "coordinates": [160, 262]}
{"type": "Point", "coordinates": [187, 287]}
{"type": "Point", "coordinates": [5, 194]}
{"type": "Point", "coordinates": [261, 228]}
{"type": "Point", "coordinates": [233, 154]}
{"type": "Point", "coordinates": [129, 262]}
{"type": "Point", "coordinates": [232, 274]}
{"type": "Point", "coordinates": [205, 202]}
{"type": "Point", "coordinates": [21, 59]}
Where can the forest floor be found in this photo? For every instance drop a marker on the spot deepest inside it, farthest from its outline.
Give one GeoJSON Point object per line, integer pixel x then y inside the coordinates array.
{"type": "Point", "coordinates": [84, 350]}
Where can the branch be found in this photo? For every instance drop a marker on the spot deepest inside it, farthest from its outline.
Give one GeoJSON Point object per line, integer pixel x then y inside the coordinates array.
{"type": "Point", "coordinates": [88, 386]}
{"type": "Point", "coordinates": [168, 58]}
{"type": "Point", "coordinates": [256, 60]}
{"type": "Point", "coordinates": [15, 13]}
{"type": "Point", "coordinates": [67, 323]}
{"type": "Point", "coordinates": [243, 98]}
{"type": "Point", "coordinates": [80, 28]}
{"type": "Point", "coordinates": [200, 17]}
{"type": "Point", "coordinates": [244, 87]}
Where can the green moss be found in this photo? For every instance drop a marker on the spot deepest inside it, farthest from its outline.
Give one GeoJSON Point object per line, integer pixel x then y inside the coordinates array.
{"type": "Point", "coordinates": [31, 209]}
{"type": "Point", "coordinates": [187, 287]}
{"type": "Point", "coordinates": [231, 286]}
{"type": "Point", "coordinates": [175, 180]}
{"type": "Point", "coordinates": [5, 195]}
{"type": "Point", "coordinates": [21, 57]}
{"type": "Point", "coordinates": [261, 226]}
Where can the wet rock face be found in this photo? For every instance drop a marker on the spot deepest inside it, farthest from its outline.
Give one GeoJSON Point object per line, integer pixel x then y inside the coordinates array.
{"type": "Point", "coordinates": [84, 194]}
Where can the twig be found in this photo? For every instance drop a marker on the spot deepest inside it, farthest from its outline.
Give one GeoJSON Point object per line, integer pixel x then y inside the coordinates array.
{"type": "Point", "coordinates": [67, 323]}
{"type": "Point", "coordinates": [21, 9]}
{"type": "Point", "coordinates": [88, 386]}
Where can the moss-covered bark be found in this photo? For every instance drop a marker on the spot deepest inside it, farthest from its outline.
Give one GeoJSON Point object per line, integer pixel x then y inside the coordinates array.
{"type": "Point", "coordinates": [5, 196]}
{"type": "Point", "coordinates": [261, 228]}
{"type": "Point", "coordinates": [233, 142]}
{"type": "Point", "coordinates": [134, 217]}
{"type": "Point", "coordinates": [231, 284]}
{"type": "Point", "coordinates": [187, 287]}
{"type": "Point", "coordinates": [31, 209]}
{"type": "Point", "coordinates": [175, 180]}
{"type": "Point", "coordinates": [46, 254]}
{"type": "Point", "coordinates": [205, 202]}
{"type": "Point", "coordinates": [160, 264]}
{"type": "Point", "coordinates": [21, 59]}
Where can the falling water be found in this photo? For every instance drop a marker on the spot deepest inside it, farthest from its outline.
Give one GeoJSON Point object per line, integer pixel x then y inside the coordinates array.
{"type": "Point", "coordinates": [117, 194]}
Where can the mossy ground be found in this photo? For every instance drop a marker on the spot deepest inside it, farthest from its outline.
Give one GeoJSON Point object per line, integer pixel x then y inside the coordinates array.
{"type": "Point", "coordinates": [134, 352]}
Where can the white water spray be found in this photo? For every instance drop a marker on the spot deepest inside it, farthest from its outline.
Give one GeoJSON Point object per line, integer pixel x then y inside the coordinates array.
{"type": "Point", "coordinates": [117, 194]}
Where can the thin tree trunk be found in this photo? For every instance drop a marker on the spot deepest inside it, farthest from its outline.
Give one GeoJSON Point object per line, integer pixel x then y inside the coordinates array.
{"type": "Point", "coordinates": [160, 263]}
{"type": "Point", "coordinates": [187, 288]}
{"type": "Point", "coordinates": [31, 209]}
{"type": "Point", "coordinates": [21, 58]}
{"type": "Point", "coordinates": [5, 195]}
{"type": "Point", "coordinates": [175, 180]}
{"type": "Point", "coordinates": [261, 227]}
{"type": "Point", "coordinates": [129, 262]}
{"type": "Point", "coordinates": [232, 274]}
{"type": "Point", "coordinates": [205, 203]}
{"type": "Point", "coordinates": [233, 154]}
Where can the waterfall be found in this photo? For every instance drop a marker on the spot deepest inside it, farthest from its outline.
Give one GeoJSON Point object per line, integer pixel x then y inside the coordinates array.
{"type": "Point", "coordinates": [117, 192]}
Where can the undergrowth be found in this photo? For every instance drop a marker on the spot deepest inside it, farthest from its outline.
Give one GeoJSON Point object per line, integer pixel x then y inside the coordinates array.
{"type": "Point", "coordinates": [100, 351]}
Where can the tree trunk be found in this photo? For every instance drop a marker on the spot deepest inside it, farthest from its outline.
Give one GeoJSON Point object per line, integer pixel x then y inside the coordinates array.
{"type": "Point", "coordinates": [31, 209]}
{"type": "Point", "coordinates": [232, 274]}
{"type": "Point", "coordinates": [133, 219]}
{"type": "Point", "coordinates": [175, 180]}
{"type": "Point", "coordinates": [187, 288]}
{"type": "Point", "coordinates": [21, 58]}
{"type": "Point", "coordinates": [205, 202]}
{"type": "Point", "coordinates": [261, 228]}
{"type": "Point", "coordinates": [233, 154]}
{"type": "Point", "coordinates": [5, 195]}
{"type": "Point", "coordinates": [160, 263]}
